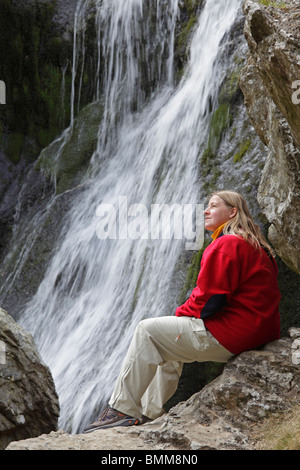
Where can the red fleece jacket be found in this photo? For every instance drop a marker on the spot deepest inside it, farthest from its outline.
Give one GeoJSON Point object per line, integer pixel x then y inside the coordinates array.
{"type": "Point", "coordinates": [237, 295]}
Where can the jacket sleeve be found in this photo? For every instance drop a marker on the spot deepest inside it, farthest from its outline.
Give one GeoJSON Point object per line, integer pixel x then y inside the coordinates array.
{"type": "Point", "coordinates": [217, 280]}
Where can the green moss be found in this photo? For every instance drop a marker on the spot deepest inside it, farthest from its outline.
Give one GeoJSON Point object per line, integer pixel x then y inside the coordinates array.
{"type": "Point", "coordinates": [206, 158]}
{"type": "Point", "coordinates": [31, 60]}
{"type": "Point", "coordinates": [221, 123]}
{"type": "Point", "coordinates": [233, 133]}
{"type": "Point", "coordinates": [245, 145]}
{"type": "Point", "coordinates": [14, 146]}
{"type": "Point", "coordinates": [221, 120]}
{"type": "Point", "coordinates": [273, 3]}
{"type": "Point", "coordinates": [189, 9]}
{"type": "Point", "coordinates": [24, 35]}
{"type": "Point", "coordinates": [188, 18]}
{"type": "Point", "coordinates": [192, 274]}
{"type": "Point", "coordinates": [65, 161]}
{"type": "Point", "coordinates": [230, 87]}
{"type": "Point", "coordinates": [186, 31]}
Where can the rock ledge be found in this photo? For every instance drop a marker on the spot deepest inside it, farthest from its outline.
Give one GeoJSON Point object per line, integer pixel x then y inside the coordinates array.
{"type": "Point", "coordinates": [253, 386]}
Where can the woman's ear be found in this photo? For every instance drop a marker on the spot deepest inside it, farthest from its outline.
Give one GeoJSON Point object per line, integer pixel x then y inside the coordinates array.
{"type": "Point", "coordinates": [233, 212]}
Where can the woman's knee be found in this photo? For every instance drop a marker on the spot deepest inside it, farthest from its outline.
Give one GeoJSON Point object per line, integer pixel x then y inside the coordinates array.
{"type": "Point", "coordinates": [145, 325]}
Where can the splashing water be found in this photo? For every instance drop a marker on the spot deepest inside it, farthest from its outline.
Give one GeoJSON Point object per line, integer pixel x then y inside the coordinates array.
{"type": "Point", "coordinates": [96, 291]}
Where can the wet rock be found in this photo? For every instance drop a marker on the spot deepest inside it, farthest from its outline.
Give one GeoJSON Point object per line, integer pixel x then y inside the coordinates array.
{"type": "Point", "coordinates": [28, 400]}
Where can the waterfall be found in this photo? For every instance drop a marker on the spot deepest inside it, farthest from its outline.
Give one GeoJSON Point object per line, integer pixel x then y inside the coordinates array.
{"type": "Point", "coordinates": [95, 290]}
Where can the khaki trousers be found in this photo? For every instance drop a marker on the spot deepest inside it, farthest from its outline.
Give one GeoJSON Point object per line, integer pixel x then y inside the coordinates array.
{"type": "Point", "coordinates": [152, 367]}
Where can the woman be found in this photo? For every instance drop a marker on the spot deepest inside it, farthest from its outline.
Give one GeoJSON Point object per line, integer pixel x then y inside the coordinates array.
{"type": "Point", "coordinates": [233, 308]}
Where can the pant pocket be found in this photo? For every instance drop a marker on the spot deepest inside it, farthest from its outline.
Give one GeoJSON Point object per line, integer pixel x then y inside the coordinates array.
{"type": "Point", "coordinates": [199, 336]}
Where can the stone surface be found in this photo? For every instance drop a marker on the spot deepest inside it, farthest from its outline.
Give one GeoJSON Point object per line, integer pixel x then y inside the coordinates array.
{"type": "Point", "coordinates": [253, 386]}
{"type": "Point", "coordinates": [295, 334]}
{"type": "Point", "coordinates": [28, 400]}
{"type": "Point", "coordinates": [268, 83]}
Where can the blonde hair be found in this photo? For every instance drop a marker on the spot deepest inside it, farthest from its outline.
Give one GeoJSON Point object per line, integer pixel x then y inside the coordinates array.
{"type": "Point", "coordinates": [242, 223]}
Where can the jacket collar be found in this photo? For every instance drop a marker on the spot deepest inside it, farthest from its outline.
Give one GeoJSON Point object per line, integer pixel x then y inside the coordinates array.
{"type": "Point", "coordinates": [218, 232]}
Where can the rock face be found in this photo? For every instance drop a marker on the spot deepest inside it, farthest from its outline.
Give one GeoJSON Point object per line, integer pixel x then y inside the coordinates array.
{"type": "Point", "coordinates": [271, 86]}
{"type": "Point", "coordinates": [253, 386]}
{"type": "Point", "coordinates": [28, 400]}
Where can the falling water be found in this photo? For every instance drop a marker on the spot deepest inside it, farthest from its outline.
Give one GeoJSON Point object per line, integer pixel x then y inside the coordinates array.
{"type": "Point", "coordinates": [95, 291]}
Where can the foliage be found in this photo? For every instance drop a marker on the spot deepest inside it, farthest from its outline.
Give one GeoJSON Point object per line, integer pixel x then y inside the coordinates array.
{"type": "Point", "coordinates": [279, 432]}
{"type": "Point", "coordinates": [273, 3]}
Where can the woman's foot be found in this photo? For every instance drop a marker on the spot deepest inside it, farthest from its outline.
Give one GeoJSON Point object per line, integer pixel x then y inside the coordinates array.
{"type": "Point", "coordinates": [111, 418]}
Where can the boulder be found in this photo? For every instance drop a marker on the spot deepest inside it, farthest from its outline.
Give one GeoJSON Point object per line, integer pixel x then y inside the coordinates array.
{"type": "Point", "coordinates": [28, 400]}
{"type": "Point", "coordinates": [253, 387]}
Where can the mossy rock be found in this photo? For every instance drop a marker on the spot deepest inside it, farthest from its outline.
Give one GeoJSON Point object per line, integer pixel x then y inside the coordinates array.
{"type": "Point", "coordinates": [188, 17]}
{"type": "Point", "coordinates": [66, 159]}
{"type": "Point", "coordinates": [230, 90]}
{"type": "Point", "coordinates": [14, 146]}
{"type": "Point", "coordinates": [244, 147]}
{"type": "Point", "coordinates": [221, 121]}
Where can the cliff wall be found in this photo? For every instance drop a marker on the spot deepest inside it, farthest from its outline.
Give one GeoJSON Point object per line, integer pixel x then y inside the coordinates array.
{"type": "Point", "coordinates": [270, 82]}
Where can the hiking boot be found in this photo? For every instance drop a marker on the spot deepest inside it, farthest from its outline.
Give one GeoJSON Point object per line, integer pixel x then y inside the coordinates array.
{"type": "Point", "coordinates": [144, 420]}
{"type": "Point", "coordinates": [111, 418]}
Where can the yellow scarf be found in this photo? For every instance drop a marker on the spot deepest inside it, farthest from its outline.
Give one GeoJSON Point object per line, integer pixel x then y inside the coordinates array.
{"type": "Point", "coordinates": [217, 232]}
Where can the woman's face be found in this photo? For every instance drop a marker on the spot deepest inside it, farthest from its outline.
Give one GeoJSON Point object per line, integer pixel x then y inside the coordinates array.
{"type": "Point", "coordinates": [217, 213]}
